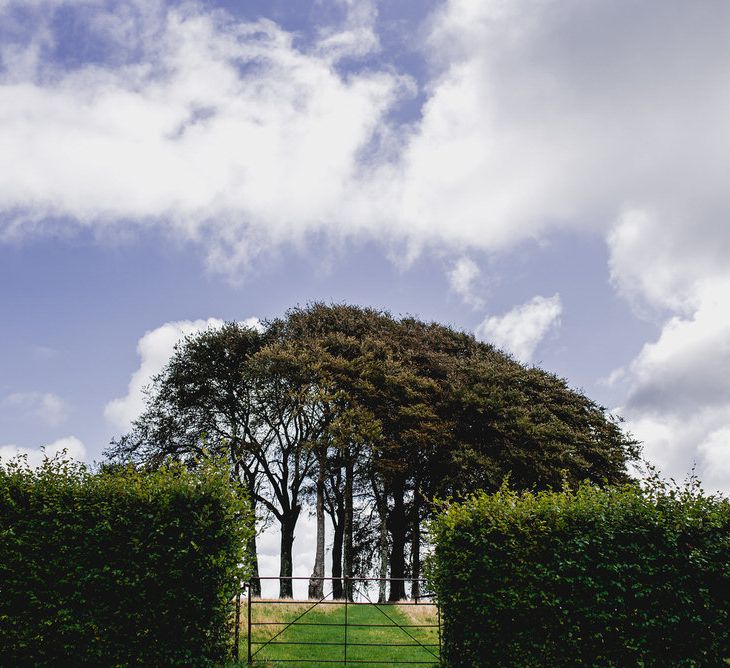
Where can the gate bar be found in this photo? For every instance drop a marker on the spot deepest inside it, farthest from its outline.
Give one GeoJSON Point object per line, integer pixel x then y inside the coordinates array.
{"type": "Point", "coordinates": [250, 596]}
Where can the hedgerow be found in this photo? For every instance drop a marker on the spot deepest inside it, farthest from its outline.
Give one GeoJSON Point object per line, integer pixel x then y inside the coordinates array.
{"type": "Point", "coordinates": [593, 577]}
{"type": "Point", "coordinates": [117, 568]}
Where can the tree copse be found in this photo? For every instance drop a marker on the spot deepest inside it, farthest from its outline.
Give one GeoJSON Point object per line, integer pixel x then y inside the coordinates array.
{"type": "Point", "coordinates": [365, 414]}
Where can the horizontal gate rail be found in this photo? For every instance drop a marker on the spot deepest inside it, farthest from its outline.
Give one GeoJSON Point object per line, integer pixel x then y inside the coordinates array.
{"type": "Point", "coordinates": [339, 601]}
{"type": "Point", "coordinates": [349, 661]}
{"type": "Point", "coordinates": [350, 644]}
{"type": "Point", "coordinates": [376, 626]}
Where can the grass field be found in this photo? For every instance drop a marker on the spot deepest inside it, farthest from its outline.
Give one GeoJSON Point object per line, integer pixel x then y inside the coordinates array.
{"type": "Point", "coordinates": [367, 627]}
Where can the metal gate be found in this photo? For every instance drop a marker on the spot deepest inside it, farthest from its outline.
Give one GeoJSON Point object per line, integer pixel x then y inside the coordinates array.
{"type": "Point", "coordinates": [358, 630]}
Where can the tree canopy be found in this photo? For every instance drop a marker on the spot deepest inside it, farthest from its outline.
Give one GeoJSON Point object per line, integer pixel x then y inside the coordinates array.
{"type": "Point", "coordinates": [368, 417]}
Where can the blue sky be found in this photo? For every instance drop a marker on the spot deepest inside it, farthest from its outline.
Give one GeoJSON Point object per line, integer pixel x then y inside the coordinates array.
{"type": "Point", "coordinates": [550, 175]}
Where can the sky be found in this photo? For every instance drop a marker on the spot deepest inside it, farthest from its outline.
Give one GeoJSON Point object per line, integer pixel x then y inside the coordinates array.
{"type": "Point", "coordinates": [550, 175]}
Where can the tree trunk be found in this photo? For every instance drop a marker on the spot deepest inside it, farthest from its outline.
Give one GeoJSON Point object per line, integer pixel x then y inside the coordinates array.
{"type": "Point", "coordinates": [347, 554]}
{"type": "Point", "coordinates": [416, 548]}
{"type": "Point", "coordinates": [336, 510]}
{"type": "Point", "coordinates": [251, 548]}
{"type": "Point", "coordinates": [316, 582]}
{"type": "Point", "coordinates": [383, 547]}
{"type": "Point", "coordinates": [288, 524]}
{"type": "Point", "coordinates": [337, 554]}
{"type": "Point", "coordinates": [397, 526]}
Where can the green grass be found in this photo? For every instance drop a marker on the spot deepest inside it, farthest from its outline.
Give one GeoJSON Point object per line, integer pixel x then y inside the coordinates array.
{"type": "Point", "coordinates": [373, 625]}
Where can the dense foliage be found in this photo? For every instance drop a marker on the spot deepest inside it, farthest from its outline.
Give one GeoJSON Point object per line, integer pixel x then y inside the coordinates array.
{"type": "Point", "coordinates": [121, 567]}
{"type": "Point", "coordinates": [595, 577]}
{"type": "Point", "coordinates": [367, 417]}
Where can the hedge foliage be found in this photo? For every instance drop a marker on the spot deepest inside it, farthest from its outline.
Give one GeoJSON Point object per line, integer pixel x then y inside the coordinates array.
{"type": "Point", "coordinates": [117, 568]}
{"type": "Point", "coordinates": [593, 577]}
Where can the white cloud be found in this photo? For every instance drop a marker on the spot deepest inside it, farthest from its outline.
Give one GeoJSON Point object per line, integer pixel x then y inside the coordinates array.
{"type": "Point", "coordinates": [357, 37]}
{"type": "Point", "coordinates": [686, 368]}
{"type": "Point", "coordinates": [676, 444]}
{"type": "Point", "coordinates": [225, 134]}
{"type": "Point", "coordinates": [155, 349]}
{"type": "Point", "coordinates": [714, 458]}
{"type": "Point", "coordinates": [672, 266]}
{"type": "Point", "coordinates": [538, 114]}
{"type": "Point", "coordinates": [678, 393]}
{"type": "Point", "coordinates": [73, 446]}
{"type": "Point", "coordinates": [670, 260]}
{"type": "Point", "coordinates": [520, 330]}
{"type": "Point", "coordinates": [462, 278]}
{"type": "Point", "coordinates": [47, 407]}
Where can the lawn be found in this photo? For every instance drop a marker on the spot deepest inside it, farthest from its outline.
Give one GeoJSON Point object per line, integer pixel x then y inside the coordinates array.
{"type": "Point", "coordinates": [368, 626]}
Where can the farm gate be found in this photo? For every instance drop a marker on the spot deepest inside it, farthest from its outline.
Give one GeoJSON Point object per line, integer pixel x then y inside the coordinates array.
{"type": "Point", "coordinates": [355, 629]}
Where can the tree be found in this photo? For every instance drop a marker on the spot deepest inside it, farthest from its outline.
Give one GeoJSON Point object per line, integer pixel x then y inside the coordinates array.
{"type": "Point", "coordinates": [230, 391]}
{"type": "Point", "coordinates": [446, 414]}
{"type": "Point", "coordinates": [200, 403]}
{"type": "Point", "coordinates": [370, 415]}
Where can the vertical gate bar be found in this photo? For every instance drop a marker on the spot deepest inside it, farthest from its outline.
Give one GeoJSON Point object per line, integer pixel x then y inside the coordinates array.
{"type": "Point", "coordinates": [237, 634]}
{"type": "Point", "coordinates": [438, 615]}
{"type": "Point", "coordinates": [347, 592]}
{"type": "Point", "coordinates": [248, 636]}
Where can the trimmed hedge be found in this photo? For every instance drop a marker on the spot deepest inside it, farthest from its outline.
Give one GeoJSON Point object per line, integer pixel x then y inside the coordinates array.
{"type": "Point", "coordinates": [117, 568]}
{"type": "Point", "coordinates": [593, 577]}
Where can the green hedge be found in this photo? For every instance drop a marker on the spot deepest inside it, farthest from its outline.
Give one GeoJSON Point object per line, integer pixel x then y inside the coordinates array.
{"type": "Point", "coordinates": [117, 568]}
{"type": "Point", "coordinates": [595, 577]}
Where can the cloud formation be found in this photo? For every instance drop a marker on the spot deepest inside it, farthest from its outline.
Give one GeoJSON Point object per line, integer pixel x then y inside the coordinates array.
{"type": "Point", "coordinates": [678, 393]}
{"type": "Point", "coordinates": [234, 135]}
{"type": "Point", "coordinates": [72, 446]}
{"type": "Point", "coordinates": [462, 279]}
{"type": "Point", "coordinates": [224, 133]}
{"type": "Point", "coordinates": [45, 406]}
{"type": "Point", "coordinates": [520, 330]}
